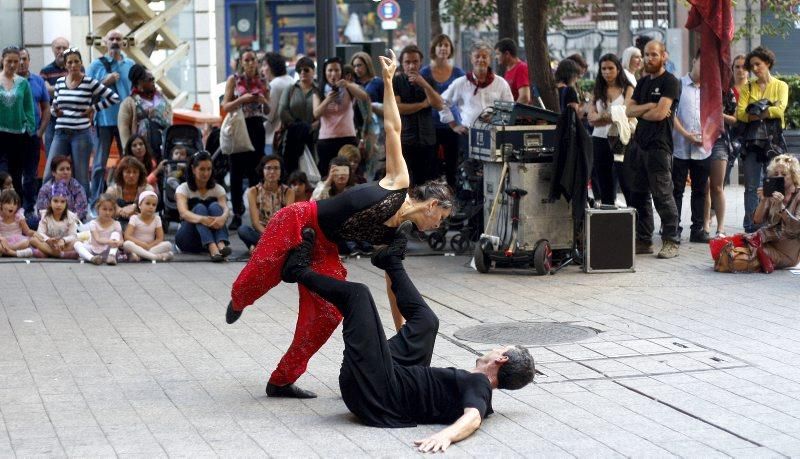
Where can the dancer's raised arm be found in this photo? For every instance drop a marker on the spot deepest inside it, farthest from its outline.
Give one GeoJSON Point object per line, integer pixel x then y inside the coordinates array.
{"type": "Point", "coordinates": [396, 169]}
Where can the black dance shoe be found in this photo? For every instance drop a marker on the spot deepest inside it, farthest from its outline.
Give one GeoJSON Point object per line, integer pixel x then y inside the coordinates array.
{"type": "Point", "coordinates": [394, 253]}
{"type": "Point", "coordinates": [299, 258]}
{"type": "Point", "coordinates": [288, 391]}
{"type": "Point", "coordinates": [232, 315]}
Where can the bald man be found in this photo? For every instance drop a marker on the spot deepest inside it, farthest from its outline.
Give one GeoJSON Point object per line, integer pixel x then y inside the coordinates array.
{"type": "Point", "coordinates": [111, 69]}
{"type": "Point", "coordinates": [648, 163]}
{"type": "Point", "coordinates": [51, 73]}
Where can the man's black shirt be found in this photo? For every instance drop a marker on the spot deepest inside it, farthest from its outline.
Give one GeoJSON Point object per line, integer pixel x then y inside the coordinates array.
{"type": "Point", "coordinates": [656, 134]}
{"type": "Point", "coordinates": [418, 128]}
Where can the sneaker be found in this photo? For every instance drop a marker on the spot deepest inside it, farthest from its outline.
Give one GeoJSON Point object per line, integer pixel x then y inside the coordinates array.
{"type": "Point", "coordinates": [643, 247]}
{"type": "Point", "coordinates": [700, 236]}
{"type": "Point", "coordinates": [236, 222]}
{"type": "Point", "coordinates": [395, 252]}
{"type": "Point", "coordinates": [669, 249]}
{"type": "Point", "coordinates": [299, 258]}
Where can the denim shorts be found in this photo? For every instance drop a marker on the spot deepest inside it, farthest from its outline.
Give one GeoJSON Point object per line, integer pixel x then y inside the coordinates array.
{"type": "Point", "coordinates": [719, 152]}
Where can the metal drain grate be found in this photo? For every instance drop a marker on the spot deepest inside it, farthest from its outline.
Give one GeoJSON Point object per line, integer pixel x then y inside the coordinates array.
{"type": "Point", "coordinates": [525, 333]}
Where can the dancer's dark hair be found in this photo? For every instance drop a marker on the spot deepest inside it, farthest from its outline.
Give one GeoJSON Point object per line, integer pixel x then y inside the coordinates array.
{"type": "Point", "coordinates": [433, 189]}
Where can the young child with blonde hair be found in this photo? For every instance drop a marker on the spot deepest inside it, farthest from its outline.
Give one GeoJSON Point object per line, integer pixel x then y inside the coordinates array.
{"type": "Point", "coordinates": [14, 230]}
{"type": "Point", "coordinates": [105, 234]}
{"type": "Point", "coordinates": [58, 228]}
{"type": "Point", "coordinates": [144, 235]}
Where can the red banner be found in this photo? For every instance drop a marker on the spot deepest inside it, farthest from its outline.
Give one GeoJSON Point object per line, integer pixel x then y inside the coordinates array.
{"type": "Point", "coordinates": [713, 19]}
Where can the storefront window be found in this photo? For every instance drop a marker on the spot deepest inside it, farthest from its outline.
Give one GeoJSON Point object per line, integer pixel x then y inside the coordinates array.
{"type": "Point", "coordinates": [183, 73]}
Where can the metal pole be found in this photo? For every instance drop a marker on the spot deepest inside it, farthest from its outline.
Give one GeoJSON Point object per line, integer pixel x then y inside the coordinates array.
{"type": "Point", "coordinates": [326, 33]}
{"type": "Point", "coordinates": [422, 14]}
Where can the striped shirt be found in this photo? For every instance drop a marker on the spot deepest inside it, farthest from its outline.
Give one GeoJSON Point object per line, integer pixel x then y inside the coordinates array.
{"type": "Point", "coordinates": [73, 103]}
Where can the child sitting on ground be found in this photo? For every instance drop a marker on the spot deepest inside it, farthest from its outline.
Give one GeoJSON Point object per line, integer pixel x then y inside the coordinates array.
{"type": "Point", "coordinates": [58, 228]}
{"type": "Point", "coordinates": [14, 231]}
{"type": "Point", "coordinates": [106, 234]}
{"type": "Point", "coordinates": [144, 236]}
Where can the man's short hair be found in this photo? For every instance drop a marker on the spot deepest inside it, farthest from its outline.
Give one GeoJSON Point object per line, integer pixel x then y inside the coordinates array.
{"type": "Point", "coordinates": [410, 49]}
{"type": "Point", "coordinates": [276, 64]}
{"type": "Point", "coordinates": [518, 371]}
{"type": "Point", "coordinates": [480, 46]}
{"type": "Point", "coordinates": [507, 44]}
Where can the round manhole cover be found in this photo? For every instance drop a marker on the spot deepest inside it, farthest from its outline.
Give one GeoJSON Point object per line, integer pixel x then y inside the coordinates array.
{"type": "Point", "coordinates": [525, 333]}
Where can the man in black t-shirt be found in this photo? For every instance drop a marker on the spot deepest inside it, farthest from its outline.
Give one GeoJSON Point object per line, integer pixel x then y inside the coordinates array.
{"type": "Point", "coordinates": [415, 96]}
{"type": "Point", "coordinates": [648, 163]}
{"type": "Point", "coordinates": [389, 383]}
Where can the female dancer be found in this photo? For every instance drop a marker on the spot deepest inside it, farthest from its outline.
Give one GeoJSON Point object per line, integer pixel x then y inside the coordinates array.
{"type": "Point", "coordinates": [370, 212]}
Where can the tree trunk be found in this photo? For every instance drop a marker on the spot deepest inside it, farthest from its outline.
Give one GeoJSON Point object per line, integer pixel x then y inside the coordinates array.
{"type": "Point", "coordinates": [508, 20]}
{"type": "Point", "coordinates": [534, 24]}
{"type": "Point", "coordinates": [436, 19]}
{"type": "Point", "coordinates": [624, 18]}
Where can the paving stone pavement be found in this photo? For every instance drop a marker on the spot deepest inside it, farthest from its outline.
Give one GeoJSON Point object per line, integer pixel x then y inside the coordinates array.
{"type": "Point", "coordinates": [136, 360]}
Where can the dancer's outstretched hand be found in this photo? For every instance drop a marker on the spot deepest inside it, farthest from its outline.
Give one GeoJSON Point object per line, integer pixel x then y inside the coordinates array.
{"type": "Point", "coordinates": [388, 64]}
{"type": "Point", "coordinates": [434, 443]}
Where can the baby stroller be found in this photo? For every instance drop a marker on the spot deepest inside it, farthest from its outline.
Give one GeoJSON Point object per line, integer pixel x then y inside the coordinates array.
{"type": "Point", "coordinates": [467, 216]}
{"type": "Point", "coordinates": [179, 134]}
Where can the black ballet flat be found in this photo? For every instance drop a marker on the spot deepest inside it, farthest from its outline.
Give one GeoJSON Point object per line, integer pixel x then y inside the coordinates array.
{"type": "Point", "coordinates": [225, 251]}
{"type": "Point", "coordinates": [232, 315]}
{"type": "Point", "coordinates": [288, 391]}
{"type": "Point", "coordinates": [217, 258]}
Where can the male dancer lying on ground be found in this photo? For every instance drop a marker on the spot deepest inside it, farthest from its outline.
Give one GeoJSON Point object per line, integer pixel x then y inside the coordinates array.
{"type": "Point", "coordinates": [389, 383]}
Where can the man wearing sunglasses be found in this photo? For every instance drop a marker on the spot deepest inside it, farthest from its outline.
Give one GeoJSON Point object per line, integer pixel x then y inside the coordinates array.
{"type": "Point", "coordinates": [111, 69]}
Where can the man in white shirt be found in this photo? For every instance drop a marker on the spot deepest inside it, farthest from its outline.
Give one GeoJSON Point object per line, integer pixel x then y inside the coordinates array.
{"type": "Point", "coordinates": [476, 90]}
{"type": "Point", "coordinates": [274, 68]}
{"type": "Point", "coordinates": [689, 156]}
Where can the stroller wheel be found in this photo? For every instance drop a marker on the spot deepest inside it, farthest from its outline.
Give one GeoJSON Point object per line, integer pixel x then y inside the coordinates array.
{"type": "Point", "coordinates": [436, 240]}
{"type": "Point", "coordinates": [543, 258]}
{"type": "Point", "coordinates": [459, 243]}
{"type": "Point", "coordinates": [482, 261]}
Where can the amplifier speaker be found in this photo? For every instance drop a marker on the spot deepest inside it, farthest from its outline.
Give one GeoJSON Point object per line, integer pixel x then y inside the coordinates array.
{"type": "Point", "coordinates": [610, 240]}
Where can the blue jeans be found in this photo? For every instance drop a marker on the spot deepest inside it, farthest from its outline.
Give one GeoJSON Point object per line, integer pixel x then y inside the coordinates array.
{"type": "Point", "coordinates": [77, 144]}
{"type": "Point", "coordinates": [194, 237]}
{"type": "Point", "coordinates": [105, 134]}
{"type": "Point", "coordinates": [754, 171]}
{"type": "Point", "coordinates": [249, 235]}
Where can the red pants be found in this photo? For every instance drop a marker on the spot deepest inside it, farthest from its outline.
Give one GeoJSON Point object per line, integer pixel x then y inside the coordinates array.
{"type": "Point", "coordinates": [317, 318]}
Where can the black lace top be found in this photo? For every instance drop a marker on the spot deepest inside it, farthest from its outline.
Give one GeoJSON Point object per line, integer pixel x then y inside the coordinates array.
{"type": "Point", "coordinates": [358, 214]}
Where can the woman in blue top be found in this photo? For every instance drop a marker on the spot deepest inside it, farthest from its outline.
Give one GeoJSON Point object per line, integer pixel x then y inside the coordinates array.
{"type": "Point", "coordinates": [442, 72]}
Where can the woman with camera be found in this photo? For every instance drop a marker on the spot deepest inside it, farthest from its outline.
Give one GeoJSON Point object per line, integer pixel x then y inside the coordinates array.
{"type": "Point", "coordinates": [761, 105]}
{"type": "Point", "coordinates": [779, 213]}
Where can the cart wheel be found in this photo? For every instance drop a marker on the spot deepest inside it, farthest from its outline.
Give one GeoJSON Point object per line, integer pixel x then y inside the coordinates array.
{"type": "Point", "coordinates": [482, 261]}
{"type": "Point", "coordinates": [459, 243]}
{"type": "Point", "coordinates": [436, 240]}
{"type": "Point", "coordinates": [543, 258]}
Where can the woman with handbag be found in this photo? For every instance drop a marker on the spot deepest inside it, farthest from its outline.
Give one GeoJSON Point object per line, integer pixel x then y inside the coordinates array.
{"type": "Point", "coordinates": [765, 90]}
{"type": "Point", "coordinates": [370, 212]}
{"type": "Point", "coordinates": [246, 91]}
{"type": "Point", "coordinates": [611, 88]}
{"type": "Point", "coordinates": [776, 245]}
{"type": "Point", "coordinates": [296, 110]}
